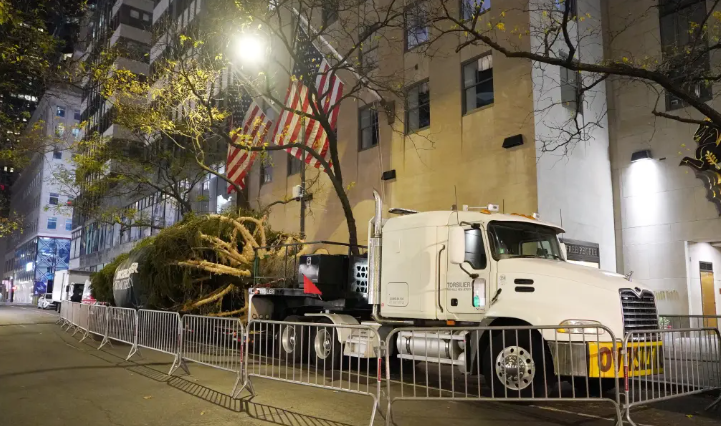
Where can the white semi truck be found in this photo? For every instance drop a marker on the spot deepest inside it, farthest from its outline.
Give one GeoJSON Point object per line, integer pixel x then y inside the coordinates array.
{"type": "Point", "coordinates": [67, 284]}
{"type": "Point", "coordinates": [467, 268]}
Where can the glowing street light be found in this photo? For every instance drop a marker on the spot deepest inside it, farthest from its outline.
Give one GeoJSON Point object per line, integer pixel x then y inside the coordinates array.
{"type": "Point", "coordinates": [250, 48]}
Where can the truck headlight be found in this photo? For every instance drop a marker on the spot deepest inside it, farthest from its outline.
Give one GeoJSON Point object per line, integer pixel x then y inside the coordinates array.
{"type": "Point", "coordinates": [571, 326]}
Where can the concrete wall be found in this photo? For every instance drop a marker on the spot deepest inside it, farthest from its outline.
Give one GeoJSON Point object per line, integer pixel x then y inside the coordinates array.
{"type": "Point", "coordinates": [574, 174]}
{"type": "Point", "coordinates": [659, 206]}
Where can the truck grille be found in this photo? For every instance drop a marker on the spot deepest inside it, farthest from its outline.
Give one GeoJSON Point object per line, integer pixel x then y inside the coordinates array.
{"type": "Point", "coordinates": [639, 311]}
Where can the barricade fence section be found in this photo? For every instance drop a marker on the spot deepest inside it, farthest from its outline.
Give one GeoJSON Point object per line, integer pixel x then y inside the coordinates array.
{"type": "Point", "coordinates": [514, 363]}
{"type": "Point", "coordinates": [666, 364]}
{"type": "Point", "coordinates": [689, 321]}
{"type": "Point", "coordinates": [97, 320]}
{"type": "Point", "coordinates": [212, 341]}
{"type": "Point", "coordinates": [63, 317]}
{"type": "Point", "coordinates": [343, 358]}
{"type": "Point", "coordinates": [160, 331]}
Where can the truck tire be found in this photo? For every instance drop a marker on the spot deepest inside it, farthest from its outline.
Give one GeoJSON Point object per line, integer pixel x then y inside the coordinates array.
{"type": "Point", "coordinates": [289, 340]}
{"type": "Point", "coordinates": [514, 363]}
{"type": "Point", "coordinates": [327, 352]}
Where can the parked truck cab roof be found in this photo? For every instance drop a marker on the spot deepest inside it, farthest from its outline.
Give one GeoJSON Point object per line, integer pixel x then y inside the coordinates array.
{"type": "Point", "coordinates": [446, 218]}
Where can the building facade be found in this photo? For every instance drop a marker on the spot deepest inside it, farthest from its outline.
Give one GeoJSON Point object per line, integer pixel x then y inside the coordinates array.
{"type": "Point", "coordinates": [43, 246]}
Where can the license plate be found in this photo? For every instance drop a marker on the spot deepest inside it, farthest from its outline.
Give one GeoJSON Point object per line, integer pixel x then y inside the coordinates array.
{"type": "Point", "coordinates": [645, 358]}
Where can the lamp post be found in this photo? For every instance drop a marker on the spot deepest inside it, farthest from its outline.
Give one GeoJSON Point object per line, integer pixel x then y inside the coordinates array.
{"type": "Point", "coordinates": [252, 50]}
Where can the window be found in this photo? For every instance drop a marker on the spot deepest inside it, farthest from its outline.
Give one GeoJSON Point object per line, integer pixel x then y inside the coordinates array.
{"type": "Point", "coordinates": [60, 130]}
{"type": "Point", "coordinates": [368, 123]}
{"type": "Point", "coordinates": [266, 173]}
{"type": "Point", "coordinates": [416, 20]}
{"type": "Point", "coordinates": [60, 111]}
{"type": "Point", "coordinates": [679, 25]}
{"type": "Point", "coordinates": [68, 224]}
{"type": "Point", "coordinates": [330, 12]}
{"type": "Point", "coordinates": [76, 133]}
{"type": "Point", "coordinates": [519, 239]}
{"type": "Point", "coordinates": [572, 6]}
{"type": "Point", "coordinates": [134, 14]}
{"type": "Point", "coordinates": [418, 108]}
{"type": "Point", "coordinates": [146, 17]}
{"type": "Point", "coordinates": [54, 198]}
{"type": "Point", "coordinates": [475, 251]}
{"type": "Point", "coordinates": [52, 222]}
{"type": "Point", "coordinates": [368, 51]}
{"type": "Point", "coordinates": [472, 8]}
{"type": "Point", "coordinates": [294, 165]}
{"type": "Point", "coordinates": [57, 154]}
{"type": "Point", "coordinates": [571, 90]}
{"type": "Point", "coordinates": [76, 115]}
{"type": "Point", "coordinates": [478, 83]}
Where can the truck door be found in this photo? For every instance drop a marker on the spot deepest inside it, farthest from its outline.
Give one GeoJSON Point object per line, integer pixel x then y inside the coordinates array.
{"type": "Point", "coordinates": [467, 285]}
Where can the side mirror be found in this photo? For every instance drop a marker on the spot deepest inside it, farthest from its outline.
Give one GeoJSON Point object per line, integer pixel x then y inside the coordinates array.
{"type": "Point", "coordinates": [564, 251]}
{"type": "Point", "coordinates": [456, 245]}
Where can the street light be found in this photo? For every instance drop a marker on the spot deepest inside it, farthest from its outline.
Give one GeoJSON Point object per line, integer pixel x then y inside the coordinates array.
{"type": "Point", "coordinates": [250, 48]}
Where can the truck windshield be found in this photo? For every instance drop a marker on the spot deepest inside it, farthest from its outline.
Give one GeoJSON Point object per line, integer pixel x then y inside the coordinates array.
{"type": "Point", "coordinates": [520, 239]}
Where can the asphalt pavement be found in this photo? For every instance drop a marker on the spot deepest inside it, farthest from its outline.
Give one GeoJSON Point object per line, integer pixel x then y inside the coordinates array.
{"type": "Point", "coordinates": [48, 377]}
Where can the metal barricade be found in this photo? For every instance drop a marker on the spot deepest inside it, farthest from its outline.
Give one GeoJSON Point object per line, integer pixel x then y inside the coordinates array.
{"type": "Point", "coordinates": [122, 326]}
{"type": "Point", "coordinates": [665, 364]}
{"type": "Point", "coordinates": [508, 363]}
{"type": "Point", "coordinates": [63, 317]}
{"type": "Point", "coordinates": [689, 321]}
{"type": "Point", "coordinates": [161, 331]}
{"type": "Point", "coordinates": [97, 321]}
{"type": "Point", "coordinates": [73, 308]}
{"type": "Point", "coordinates": [323, 355]}
{"type": "Point", "coordinates": [215, 342]}
{"type": "Point", "coordinates": [81, 313]}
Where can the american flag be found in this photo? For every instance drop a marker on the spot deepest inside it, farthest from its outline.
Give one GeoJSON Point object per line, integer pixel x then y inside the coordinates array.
{"type": "Point", "coordinates": [289, 126]}
{"type": "Point", "coordinates": [255, 127]}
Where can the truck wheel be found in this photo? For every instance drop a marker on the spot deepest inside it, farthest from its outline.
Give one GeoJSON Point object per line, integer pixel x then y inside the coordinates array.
{"type": "Point", "coordinates": [289, 340]}
{"type": "Point", "coordinates": [327, 350]}
{"type": "Point", "coordinates": [515, 364]}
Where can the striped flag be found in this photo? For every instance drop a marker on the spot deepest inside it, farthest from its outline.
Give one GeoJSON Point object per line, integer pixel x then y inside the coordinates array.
{"type": "Point", "coordinates": [291, 127]}
{"type": "Point", "coordinates": [255, 127]}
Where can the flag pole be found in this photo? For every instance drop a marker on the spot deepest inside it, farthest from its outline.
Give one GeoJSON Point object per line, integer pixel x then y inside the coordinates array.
{"type": "Point", "coordinates": [302, 185]}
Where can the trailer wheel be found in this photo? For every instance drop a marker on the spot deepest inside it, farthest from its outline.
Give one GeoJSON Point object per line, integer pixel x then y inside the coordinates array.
{"type": "Point", "coordinates": [327, 350]}
{"type": "Point", "coordinates": [514, 363]}
{"type": "Point", "coordinates": [289, 339]}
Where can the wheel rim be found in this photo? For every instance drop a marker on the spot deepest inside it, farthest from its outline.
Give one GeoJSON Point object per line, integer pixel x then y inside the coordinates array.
{"type": "Point", "coordinates": [323, 343]}
{"type": "Point", "coordinates": [515, 368]}
{"type": "Point", "coordinates": [288, 338]}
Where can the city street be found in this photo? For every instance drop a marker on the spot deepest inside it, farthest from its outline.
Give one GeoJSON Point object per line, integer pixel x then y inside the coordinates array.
{"type": "Point", "coordinates": [48, 378]}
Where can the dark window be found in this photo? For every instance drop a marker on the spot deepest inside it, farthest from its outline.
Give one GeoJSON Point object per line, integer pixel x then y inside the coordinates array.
{"type": "Point", "coordinates": [416, 17]}
{"type": "Point", "coordinates": [368, 49]}
{"type": "Point", "coordinates": [478, 83]}
{"type": "Point", "coordinates": [368, 123]}
{"type": "Point", "coordinates": [330, 12]}
{"type": "Point", "coordinates": [266, 173]}
{"type": "Point", "coordinates": [294, 165]}
{"type": "Point", "coordinates": [52, 222]}
{"type": "Point", "coordinates": [572, 6]}
{"type": "Point", "coordinates": [68, 224]}
{"type": "Point", "coordinates": [54, 198]}
{"type": "Point", "coordinates": [60, 111]}
{"type": "Point", "coordinates": [57, 154]}
{"type": "Point", "coordinates": [706, 266]}
{"type": "Point", "coordinates": [472, 8]}
{"type": "Point", "coordinates": [571, 90]}
{"type": "Point", "coordinates": [684, 48]}
{"type": "Point", "coordinates": [418, 107]}
{"type": "Point", "coordinates": [475, 251]}
{"type": "Point", "coordinates": [76, 115]}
